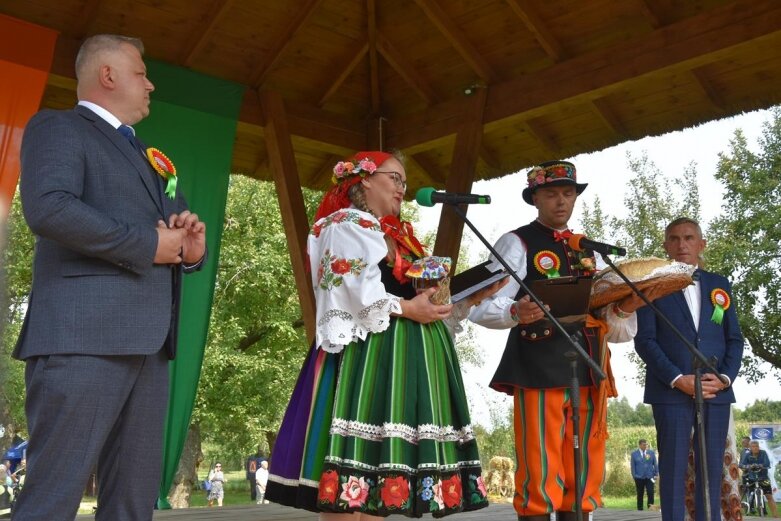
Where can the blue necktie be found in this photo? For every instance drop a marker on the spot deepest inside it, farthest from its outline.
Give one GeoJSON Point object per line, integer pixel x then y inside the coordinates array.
{"type": "Point", "coordinates": [130, 136]}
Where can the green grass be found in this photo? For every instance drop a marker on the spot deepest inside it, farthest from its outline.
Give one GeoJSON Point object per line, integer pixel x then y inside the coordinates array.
{"type": "Point", "coordinates": [620, 502]}
{"type": "Point", "coordinates": [236, 490]}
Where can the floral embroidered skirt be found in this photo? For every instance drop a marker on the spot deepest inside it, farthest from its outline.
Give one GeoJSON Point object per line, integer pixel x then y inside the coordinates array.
{"type": "Point", "coordinates": [382, 428]}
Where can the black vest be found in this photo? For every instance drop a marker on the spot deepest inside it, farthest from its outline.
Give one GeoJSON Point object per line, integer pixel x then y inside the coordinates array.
{"type": "Point", "coordinates": [534, 355]}
{"type": "Point", "coordinates": [393, 286]}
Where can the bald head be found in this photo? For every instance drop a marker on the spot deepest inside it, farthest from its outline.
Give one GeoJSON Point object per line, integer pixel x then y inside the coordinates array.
{"type": "Point", "coordinates": [112, 74]}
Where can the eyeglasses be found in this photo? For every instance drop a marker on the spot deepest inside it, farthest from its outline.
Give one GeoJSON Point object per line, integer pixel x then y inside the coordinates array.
{"type": "Point", "coordinates": [397, 179]}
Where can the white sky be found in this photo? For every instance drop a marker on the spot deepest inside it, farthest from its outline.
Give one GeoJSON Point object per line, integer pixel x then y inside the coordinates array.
{"type": "Point", "coordinates": [607, 173]}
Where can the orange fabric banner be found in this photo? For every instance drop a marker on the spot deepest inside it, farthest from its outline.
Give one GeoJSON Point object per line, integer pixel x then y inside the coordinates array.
{"type": "Point", "coordinates": [26, 53]}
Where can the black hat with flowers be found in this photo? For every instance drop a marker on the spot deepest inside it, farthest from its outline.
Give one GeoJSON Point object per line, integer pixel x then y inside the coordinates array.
{"type": "Point", "coordinates": [551, 173]}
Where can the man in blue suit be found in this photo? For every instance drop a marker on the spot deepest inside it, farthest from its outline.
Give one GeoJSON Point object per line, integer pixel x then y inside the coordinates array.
{"type": "Point", "coordinates": [101, 322]}
{"type": "Point", "coordinates": [644, 472]}
{"type": "Point", "coordinates": [705, 315]}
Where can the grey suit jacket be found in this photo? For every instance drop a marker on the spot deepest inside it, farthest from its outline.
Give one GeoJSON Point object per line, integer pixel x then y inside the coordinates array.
{"type": "Point", "coordinates": [93, 203]}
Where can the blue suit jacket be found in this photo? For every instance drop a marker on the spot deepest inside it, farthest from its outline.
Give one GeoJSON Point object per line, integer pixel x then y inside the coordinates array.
{"type": "Point", "coordinates": [666, 356]}
{"type": "Point", "coordinates": [643, 468]}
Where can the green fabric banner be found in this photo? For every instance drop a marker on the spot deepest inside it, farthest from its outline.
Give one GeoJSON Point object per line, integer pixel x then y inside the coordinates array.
{"type": "Point", "coordinates": [193, 121]}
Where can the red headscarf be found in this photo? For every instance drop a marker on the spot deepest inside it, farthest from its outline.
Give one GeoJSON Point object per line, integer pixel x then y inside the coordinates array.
{"type": "Point", "coordinates": [407, 246]}
{"type": "Point", "coordinates": [336, 198]}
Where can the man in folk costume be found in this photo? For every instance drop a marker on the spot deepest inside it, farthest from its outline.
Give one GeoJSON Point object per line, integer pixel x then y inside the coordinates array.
{"type": "Point", "coordinates": [534, 369]}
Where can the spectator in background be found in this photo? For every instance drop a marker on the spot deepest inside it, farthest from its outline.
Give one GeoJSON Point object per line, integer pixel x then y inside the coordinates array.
{"type": "Point", "coordinates": [251, 467]}
{"type": "Point", "coordinates": [644, 472]}
{"type": "Point", "coordinates": [755, 465]}
{"type": "Point", "coordinates": [261, 480]}
{"type": "Point", "coordinates": [744, 446]}
{"type": "Point", "coordinates": [217, 479]}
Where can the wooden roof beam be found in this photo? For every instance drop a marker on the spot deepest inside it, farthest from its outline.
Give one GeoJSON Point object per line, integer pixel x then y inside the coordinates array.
{"type": "Point", "coordinates": [345, 71]}
{"type": "Point", "coordinates": [454, 35]}
{"type": "Point", "coordinates": [275, 53]}
{"type": "Point", "coordinates": [650, 13]}
{"type": "Point", "coordinates": [535, 130]}
{"type": "Point", "coordinates": [686, 44]}
{"type": "Point", "coordinates": [374, 77]}
{"type": "Point", "coordinates": [525, 11]}
{"type": "Point", "coordinates": [602, 109]}
{"type": "Point", "coordinates": [87, 15]}
{"type": "Point", "coordinates": [435, 174]}
{"type": "Point", "coordinates": [291, 201]}
{"type": "Point", "coordinates": [708, 90]}
{"type": "Point", "coordinates": [462, 176]}
{"type": "Point", "coordinates": [263, 166]}
{"type": "Point", "coordinates": [489, 157]}
{"type": "Point", "coordinates": [405, 69]}
{"type": "Point", "coordinates": [325, 171]}
{"type": "Point", "coordinates": [202, 32]}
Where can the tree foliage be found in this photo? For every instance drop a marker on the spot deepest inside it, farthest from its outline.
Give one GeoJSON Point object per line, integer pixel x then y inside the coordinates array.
{"type": "Point", "coordinates": [621, 414]}
{"type": "Point", "coordinates": [257, 341]}
{"type": "Point", "coordinates": [652, 200]}
{"type": "Point", "coordinates": [744, 240]}
{"type": "Point", "coordinates": [761, 411]}
{"type": "Point", "coordinates": [17, 259]}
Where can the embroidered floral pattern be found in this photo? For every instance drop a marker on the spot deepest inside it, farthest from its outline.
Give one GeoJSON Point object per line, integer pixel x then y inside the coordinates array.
{"type": "Point", "coordinates": [344, 216]}
{"type": "Point", "coordinates": [539, 176]}
{"type": "Point", "coordinates": [355, 491]}
{"type": "Point", "coordinates": [437, 502]}
{"type": "Point", "coordinates": [451, 491]}
{"type": "Point", "coordinates": [347, 489]}
{"type": "Point", "coordinates": [477, 489]}
{"type": "Point", "coordinates": [329, 487]}
{"type": "Point", "coordinates": [394, 491]}
{"type": "Point", "coordinates": [332, 269]}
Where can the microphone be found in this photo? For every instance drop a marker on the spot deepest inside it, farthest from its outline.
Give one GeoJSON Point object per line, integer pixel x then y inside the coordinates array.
{"type": "Point", "coordinates": [428, 197]}
{"type": "Point", "coordinates": [579, 242]}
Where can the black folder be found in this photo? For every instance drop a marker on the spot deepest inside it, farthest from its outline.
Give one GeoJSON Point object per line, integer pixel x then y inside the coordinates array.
{"type": "Point", "coordinates": [474, 279]}
{"type": "Point", "coordinates": [567, 297]}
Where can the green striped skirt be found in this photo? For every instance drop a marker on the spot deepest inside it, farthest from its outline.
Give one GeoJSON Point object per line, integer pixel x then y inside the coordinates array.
{"type": "Point", "coordinates": [382, 427]}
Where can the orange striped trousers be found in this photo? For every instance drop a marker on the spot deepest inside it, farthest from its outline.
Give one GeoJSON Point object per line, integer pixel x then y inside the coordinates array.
{"type": "Point", "coordinates": [545, 477]}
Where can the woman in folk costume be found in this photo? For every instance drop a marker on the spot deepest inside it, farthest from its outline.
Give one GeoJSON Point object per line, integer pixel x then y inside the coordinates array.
{"type": "Point", "coordinates": [378, 421]}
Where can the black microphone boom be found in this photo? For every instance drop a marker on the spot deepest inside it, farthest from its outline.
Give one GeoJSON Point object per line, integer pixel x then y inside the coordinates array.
{"type": "Point", "coordinates": [428, 197]}
{"type": "Point", "coordinates": [579, 243]}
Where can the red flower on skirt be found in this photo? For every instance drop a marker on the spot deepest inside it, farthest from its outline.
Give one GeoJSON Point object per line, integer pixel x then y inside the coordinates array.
{"type": "Point", "coordinates": [395, 491]}
{"type": "Point", "coordinates": [340, 266]}
{"type": "Point", "coordinates": [451, 491]}
{"type": "Point", "coordinates": [329, 487]}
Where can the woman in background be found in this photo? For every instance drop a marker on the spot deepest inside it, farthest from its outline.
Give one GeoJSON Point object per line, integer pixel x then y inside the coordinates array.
{"type": "Point", "coordinates": [217, 479]}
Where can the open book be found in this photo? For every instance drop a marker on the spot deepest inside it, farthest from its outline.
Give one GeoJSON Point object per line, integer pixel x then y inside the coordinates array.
{"type": "Point", "coordinates": [474, 279]}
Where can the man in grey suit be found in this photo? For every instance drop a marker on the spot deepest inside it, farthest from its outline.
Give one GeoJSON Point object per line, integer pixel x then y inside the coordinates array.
{"type": "Point", "coordinates": [101, 324]}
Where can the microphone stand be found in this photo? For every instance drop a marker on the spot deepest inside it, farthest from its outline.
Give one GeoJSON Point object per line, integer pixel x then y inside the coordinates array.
{"type": "Point", "coordinates": [699, 361]}
{"type": "Point", "coordinates": [572, 356]}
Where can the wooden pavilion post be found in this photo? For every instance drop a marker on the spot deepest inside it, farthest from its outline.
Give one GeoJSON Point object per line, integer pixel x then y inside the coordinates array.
{"type": "Point", "coordinates": [462, 175]}
{"type": "Point", "coordinates": [291, 202]}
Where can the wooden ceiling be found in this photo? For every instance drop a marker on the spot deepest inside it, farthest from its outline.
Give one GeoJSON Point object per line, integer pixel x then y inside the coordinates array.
{"type": "Point", "coordinates": [547, 78]}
